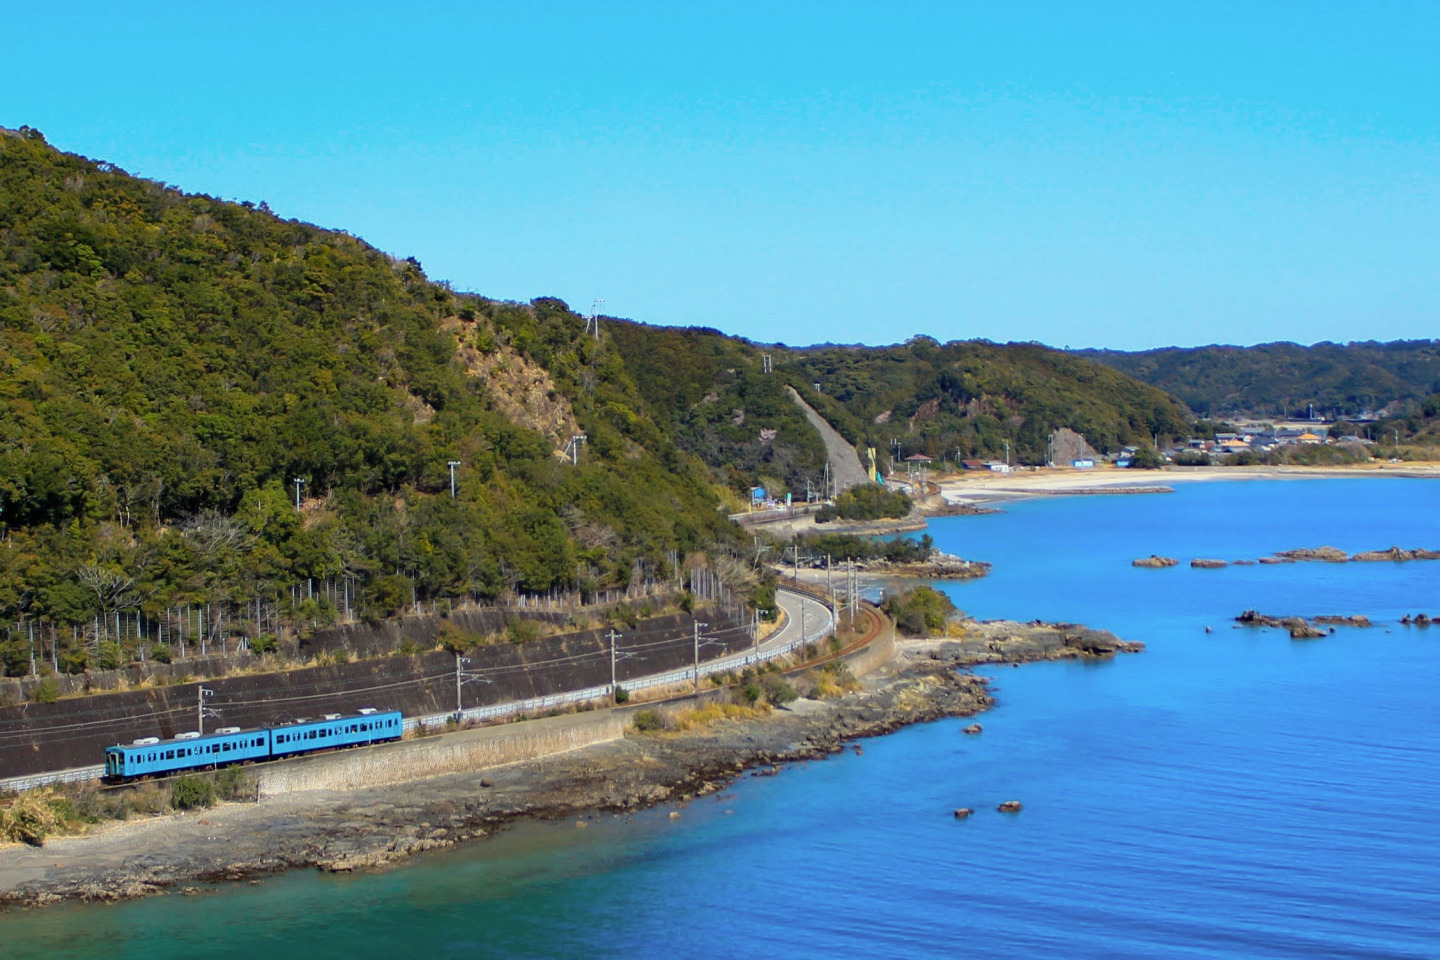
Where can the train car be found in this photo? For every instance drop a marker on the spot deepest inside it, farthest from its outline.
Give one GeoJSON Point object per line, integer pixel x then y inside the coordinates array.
{"type": "Point", "coordinates": [186, 752]}
{"type": "Point", "coordinates": [335, 730]}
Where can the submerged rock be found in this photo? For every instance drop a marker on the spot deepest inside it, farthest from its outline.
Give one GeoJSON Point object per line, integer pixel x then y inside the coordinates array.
{"type": "Point", "coordinates": [973, 729]}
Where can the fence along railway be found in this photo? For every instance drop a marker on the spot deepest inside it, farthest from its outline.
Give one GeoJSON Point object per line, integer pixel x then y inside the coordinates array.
{"type": "Point", "coordinates": [643, 663]}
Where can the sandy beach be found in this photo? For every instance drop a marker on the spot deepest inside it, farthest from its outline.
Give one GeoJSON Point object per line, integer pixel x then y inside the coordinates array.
{"type": "Point", "coordinates": [980, 488]}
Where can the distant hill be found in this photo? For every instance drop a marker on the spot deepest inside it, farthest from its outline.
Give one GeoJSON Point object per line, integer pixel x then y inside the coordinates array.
{"type": "Point", "coordinates": [1272, 378]}
{"type": "Point", "coordinates": [953, 401]}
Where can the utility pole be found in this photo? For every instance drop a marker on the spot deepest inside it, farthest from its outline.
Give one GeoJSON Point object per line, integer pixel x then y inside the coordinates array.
{"type": "Point", "coordinates": [298, 482]}
{"type": "Point", "coordinates": [698, 625]}
{"type": "Point", "coordinates": [453, 464]}
{"type": "Point", "coordinates": [200, 695]}
{"type": "Point", "coordinates": [594, 321]}
{"type": "Point", "coordinates": [459, 663]}
{"type": "Point", "coordinates": [612, 636]}
{"type": "Point", "coordinates": [574, 448]}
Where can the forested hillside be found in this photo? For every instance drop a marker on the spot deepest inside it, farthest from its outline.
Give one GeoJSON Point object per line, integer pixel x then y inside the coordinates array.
{"type": "Point", "coordinates": [953, 401]}
{"type": "Point", "coordinates": [169, 363]}
{"type": "Point", "coordinates": [1272, 379]}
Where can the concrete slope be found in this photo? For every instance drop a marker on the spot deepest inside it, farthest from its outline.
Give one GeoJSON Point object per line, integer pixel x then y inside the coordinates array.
{"type": "Point", "coordinates": [845, 464]}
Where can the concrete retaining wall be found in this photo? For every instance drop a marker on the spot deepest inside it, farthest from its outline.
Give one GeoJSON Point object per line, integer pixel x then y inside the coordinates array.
{"type": "Point", "coordinates": [36, 737]}
{"type": "Point", "coordinates": [874, 654]}
{"type": "Point", "coordinates": [433, 756]}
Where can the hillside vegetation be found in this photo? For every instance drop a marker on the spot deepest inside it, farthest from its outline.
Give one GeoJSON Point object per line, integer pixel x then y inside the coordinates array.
{"type": "Point", "coordinates": [1272, 379]}
{"type": "Point", "coordinates": [169, 363]}
{"type": "Point", "coordinates": [949, 401]}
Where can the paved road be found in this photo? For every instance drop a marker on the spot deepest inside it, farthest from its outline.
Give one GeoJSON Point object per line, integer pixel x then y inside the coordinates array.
{"type": "Point", "coordinates": [815, 620]}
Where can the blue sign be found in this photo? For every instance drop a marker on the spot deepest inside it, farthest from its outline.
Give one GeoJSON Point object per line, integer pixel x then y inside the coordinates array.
{"type": "Point", "coordinates": [757, 493]}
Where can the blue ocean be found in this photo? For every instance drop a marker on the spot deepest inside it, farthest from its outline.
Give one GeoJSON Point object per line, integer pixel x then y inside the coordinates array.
{"type": "Point", "coordinates": [1230, 793]}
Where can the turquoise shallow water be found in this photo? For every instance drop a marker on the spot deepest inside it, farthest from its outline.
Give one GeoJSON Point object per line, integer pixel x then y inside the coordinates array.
{"type": "Point", "coordinates": [1234, 794]}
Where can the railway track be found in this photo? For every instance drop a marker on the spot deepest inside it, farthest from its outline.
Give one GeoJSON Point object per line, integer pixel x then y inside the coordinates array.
{"type": "Point", "coordinates": [822, 625]}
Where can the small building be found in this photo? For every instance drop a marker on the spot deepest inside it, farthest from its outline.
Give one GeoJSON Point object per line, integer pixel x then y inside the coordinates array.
{"type": "Point", "coordinates": [974, 465]}
{"type": "Point", "coordinates": [997, 466]}
{"type": "Point", "coordinates": [1084, 463]}
{"type": "Point", "coordinates": [1308, 437]}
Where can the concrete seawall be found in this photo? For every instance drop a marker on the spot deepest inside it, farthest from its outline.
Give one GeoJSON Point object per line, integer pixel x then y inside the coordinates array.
{"type": "Point", "coordinates": [459, 752]}
{"type": "Point", "coordinates": [874, 654]}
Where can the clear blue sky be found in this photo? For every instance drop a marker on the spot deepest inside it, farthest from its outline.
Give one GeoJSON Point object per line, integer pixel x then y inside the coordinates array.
{"type": "Point", "coordinates": [1091, 174]}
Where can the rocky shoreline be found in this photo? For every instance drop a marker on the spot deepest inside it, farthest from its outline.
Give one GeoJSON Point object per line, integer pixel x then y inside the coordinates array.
{"type": "Point", "coordinates": [334, 831]}
{"type": "Point", "coordinates": [1301, 555]}
{"type": "Point", "coordinates": [939, 566]}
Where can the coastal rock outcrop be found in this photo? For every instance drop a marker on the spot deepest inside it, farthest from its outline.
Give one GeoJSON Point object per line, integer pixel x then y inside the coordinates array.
{"type": "Point", "coordinates": [1300, 628]}
{"type": "Point", "coordinates": [1155, 562]}
{"type": "Point", "coordinates": [1006, 641]}
{"type": "Point", "coordinates": [940, 566]}
{"type": "Point", "coordinates": [1395, 554]}
{"type": "Point", "coordinates": [1322, 554]}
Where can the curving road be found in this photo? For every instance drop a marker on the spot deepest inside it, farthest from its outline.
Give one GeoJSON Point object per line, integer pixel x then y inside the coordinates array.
{"type": "Point", "coordinates": [801, 612]}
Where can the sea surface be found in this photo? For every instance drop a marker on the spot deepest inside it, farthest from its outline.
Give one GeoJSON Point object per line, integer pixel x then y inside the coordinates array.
{"type": "Point", "coordinates": [1224, 794]}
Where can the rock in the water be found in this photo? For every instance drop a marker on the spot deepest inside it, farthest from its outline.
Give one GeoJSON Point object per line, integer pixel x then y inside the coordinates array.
{"type": "Point", "coordinates": [1354, 620]}
{"type": "Point", "coordinates": [962, 812]}
{"type": "Point", "coordinates": [1155, 562]}
{"type": "Point", "coordinates": [1009, 806]}
{"type": "Point", "coordinates": [974, 728]}
{"type": "Point", "coordinates": [1324, 554]}
{"type": "Point", "coordinates": [1203, 564]}
{"type": "Point", "coordinates": [1396, 554]}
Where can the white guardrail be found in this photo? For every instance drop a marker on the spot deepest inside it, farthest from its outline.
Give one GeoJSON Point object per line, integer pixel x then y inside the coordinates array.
{"type": "Point", "coordinates": [824, 628]}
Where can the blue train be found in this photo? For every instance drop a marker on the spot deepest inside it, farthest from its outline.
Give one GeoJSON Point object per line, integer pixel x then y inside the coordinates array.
{"type": "Point", "coordinates": [191, 751]}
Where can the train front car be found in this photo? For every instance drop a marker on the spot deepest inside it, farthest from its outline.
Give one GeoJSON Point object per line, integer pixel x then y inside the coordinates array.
{"type": "Point", "coordinates": [189, 751]}
{"type": "Point", "coordinates": [336, 730]}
